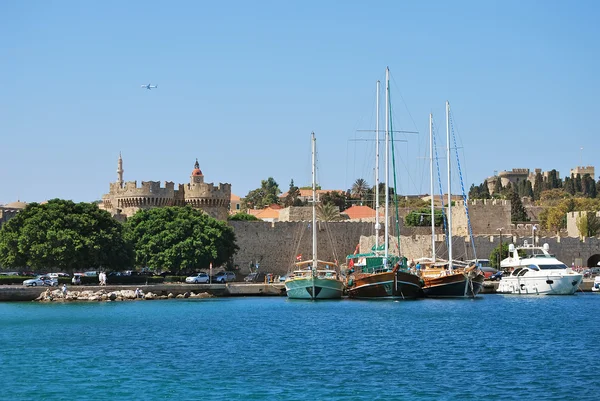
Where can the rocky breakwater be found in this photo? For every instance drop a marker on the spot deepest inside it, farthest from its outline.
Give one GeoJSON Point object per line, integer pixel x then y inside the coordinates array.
{"type": "Point", "coordinates": [58, 295]}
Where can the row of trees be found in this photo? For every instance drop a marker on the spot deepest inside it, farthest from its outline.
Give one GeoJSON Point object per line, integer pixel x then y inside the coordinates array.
{"type": "Point", "coordinates": [360, 193]}
{"type": "Point", "coordinates": [558, 198]}
{"type": "Point", "coordinates": [68, 236]}
{"type": "Point", "coordinates": [575, 185]}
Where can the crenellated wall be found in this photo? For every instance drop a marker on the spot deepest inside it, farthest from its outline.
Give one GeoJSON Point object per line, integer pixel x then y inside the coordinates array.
{"type": "Point", "coordinates": [486, 216]}
{"type": "Point", "coordinates": [275, 245]}
{"type": "Point", "coordinates": [214, 200]}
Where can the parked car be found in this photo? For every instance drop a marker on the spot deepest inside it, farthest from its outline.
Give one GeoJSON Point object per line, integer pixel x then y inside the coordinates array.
{"type": "Point", "coordinates": [41, 280]}
{"type": "Point", "coordinates": [488, 271]}
{"type": "Point", "coordinates": [224, 277]}
{"type": "Point", "coordinates": [496, 276]}
{"type": "Point", "coordinates": [198, 278]}
{"type": "Point", "coordinates": [57, 275]}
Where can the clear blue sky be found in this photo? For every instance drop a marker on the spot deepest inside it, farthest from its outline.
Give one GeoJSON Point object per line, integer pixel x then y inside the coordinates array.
{"type": "Point", "coordinates": [243, 84]}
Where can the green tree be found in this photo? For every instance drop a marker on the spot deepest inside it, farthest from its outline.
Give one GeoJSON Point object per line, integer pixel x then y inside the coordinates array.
{"type": "Point", "coordinates": [588, 224]}
{"type": "Point", "coordinates": [474, 192]}
{"type": "Point", "coordinates": [578, 188]}
{"type": "Point", "coordinates": [538, 186]}
{"type": "Point", "coordinates": [517, 211]}
{"type": "Point", "coordinates": [569, 185]}
{"type": "Point", "coordinates": [64, 235]}
{"type": "Point", "coordinates": [528, 189]}
{"type": "Point", "coordinates": [360, 189]}
{"type": "Point", "coordinates": [553, 180]}
{"type": "Point", "coordinates": [422, 218]}
{"type": "Point", "coordinates": [292, 196]}
{"type": "Point", "coordinates": [497, 255]}
{"type": "Point", "coordinates": [179, 238]}
{"type": "Point", "coordinates": [588, 186]}
{"type": "Point", "coordinates": [241, 216]}
{"type": "Point", "coordinates": [328, 212]}
{"type": "Point", "coordinates": [593, 224]}
{"type": "Point", "coordinates": [336, 198]}
{"type": "Point", "coordinates": [267, 194]}
{"type": "Point", "coordinates": [498, 186]}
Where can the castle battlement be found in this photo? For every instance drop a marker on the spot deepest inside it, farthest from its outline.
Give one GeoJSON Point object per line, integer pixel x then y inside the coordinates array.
{"type": "Point", "coordinates": [127, 197]}
{"type": "Point", "coordinates": [484, 202]}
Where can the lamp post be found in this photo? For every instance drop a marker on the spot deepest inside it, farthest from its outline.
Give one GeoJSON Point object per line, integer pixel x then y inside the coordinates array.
{"type": "Point", "coordinates": [533, 233]}
{"type": "Point", "coordinates": [500, 254]}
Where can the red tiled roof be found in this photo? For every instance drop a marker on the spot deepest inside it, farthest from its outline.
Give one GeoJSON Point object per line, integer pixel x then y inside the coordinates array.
{"type": "Point", "coordinates": [360, 212]}
{"type": "Point", "coordinates": [268, 213]}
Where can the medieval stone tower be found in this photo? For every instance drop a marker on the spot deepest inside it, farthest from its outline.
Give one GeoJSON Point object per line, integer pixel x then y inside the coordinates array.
{"type": "Point", "coordinates": [213, 200]}
{"type": "Point", "coordinates": [126, 198]}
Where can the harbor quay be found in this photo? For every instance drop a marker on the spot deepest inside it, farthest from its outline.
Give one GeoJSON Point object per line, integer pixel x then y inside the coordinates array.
{"type": "Point", "coordinates": [13, 293]}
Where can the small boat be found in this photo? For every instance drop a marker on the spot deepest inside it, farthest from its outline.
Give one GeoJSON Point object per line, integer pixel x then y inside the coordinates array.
{"type": "Point", "coordinates": [537, 273]}
{"type": "Point", "coordinates": [596, 286]}
{"type": "Point", "coordinates": [314, 279]}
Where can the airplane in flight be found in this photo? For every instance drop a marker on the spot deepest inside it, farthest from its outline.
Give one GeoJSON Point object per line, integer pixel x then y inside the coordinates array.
{"type": "Point", "coordinates": [150, 86]}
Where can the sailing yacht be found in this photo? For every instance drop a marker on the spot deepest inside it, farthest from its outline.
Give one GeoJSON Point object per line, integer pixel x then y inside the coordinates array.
{"type": "Point", "coordinates": [377, 274]}
{"type": "Point", "coordinates": [446, 280]}
{"type": "Point", "coordinates": [314, 279]}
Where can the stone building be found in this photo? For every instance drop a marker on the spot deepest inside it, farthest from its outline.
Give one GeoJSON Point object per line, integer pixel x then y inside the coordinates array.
{"type": "Point", "coordinates": [582, 170]}
{"type": "Point", "coordinates": [10, 210]}
{"type": "Point", "coordinates": [126, 198]}
{"type": "Point", "coordinates": [517, 175]}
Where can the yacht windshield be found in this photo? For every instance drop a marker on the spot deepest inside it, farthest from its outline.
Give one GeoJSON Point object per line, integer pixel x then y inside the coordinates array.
{"type": "Point", "coordinates": [557, 266]}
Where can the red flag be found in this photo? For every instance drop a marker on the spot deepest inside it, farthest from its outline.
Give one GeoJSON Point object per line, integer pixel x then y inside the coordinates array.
{"type": "Point", "coordinates": [351, 263]}
{"type": "Point", "coordinates": [299, 258]}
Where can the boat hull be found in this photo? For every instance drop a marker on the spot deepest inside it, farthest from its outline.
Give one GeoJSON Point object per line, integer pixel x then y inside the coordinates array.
{"type": "Point", "coordinates": [457, 285]}
{"type": "Point", "coordinates": [542, 285]}
{"type": "Point", "coordinates": [395, 285]}
{"type": "Point", "coordinates": [302, 288]}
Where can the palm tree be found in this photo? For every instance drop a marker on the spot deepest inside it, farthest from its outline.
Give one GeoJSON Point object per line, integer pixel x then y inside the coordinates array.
{"type": "Point", "coordinates": [360, 188]}
{"type": "Point", "coordinates": [328, 212]}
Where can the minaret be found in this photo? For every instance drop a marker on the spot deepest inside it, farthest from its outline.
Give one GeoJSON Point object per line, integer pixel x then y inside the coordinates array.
{"type": "Point", "coordinates": [120, 171]}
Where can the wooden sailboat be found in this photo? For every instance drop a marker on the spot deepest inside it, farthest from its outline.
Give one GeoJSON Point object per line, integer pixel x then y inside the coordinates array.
{"type": "Point", "coordinates": [377, 274]}
{"type": "Point", "coordinates": [314, 279]}
{"type": "Point", "coordinates": [447, 280]}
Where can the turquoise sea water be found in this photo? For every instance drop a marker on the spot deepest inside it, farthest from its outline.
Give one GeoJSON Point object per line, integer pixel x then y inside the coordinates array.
{"type": "Point", "coordinates": [491, 348]}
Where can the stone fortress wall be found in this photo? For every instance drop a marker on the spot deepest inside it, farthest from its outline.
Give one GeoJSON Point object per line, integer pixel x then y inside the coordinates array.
{"type": "Point", "coordinates": [275, 245]}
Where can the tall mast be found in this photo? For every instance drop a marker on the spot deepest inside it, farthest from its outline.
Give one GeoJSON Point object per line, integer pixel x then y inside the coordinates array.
{"type": "Point", "coordinates": [431, 185]}
{"type": "Point", "coordinates": [449, 187]}
{"type": "Point", "coordinates": [314, 216]}
{"type": "Point", "coordinates": [377, 226]}
{"type": "Point", "coordinates": [387, 154]}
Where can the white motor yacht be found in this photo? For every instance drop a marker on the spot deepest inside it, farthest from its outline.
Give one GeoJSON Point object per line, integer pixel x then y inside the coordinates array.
{"type": "Point", "coordinates": [537, 273]}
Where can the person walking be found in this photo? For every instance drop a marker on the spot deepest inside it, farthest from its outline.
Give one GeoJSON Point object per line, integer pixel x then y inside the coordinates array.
{"type": "Point", "coordinates": [64, 290]}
